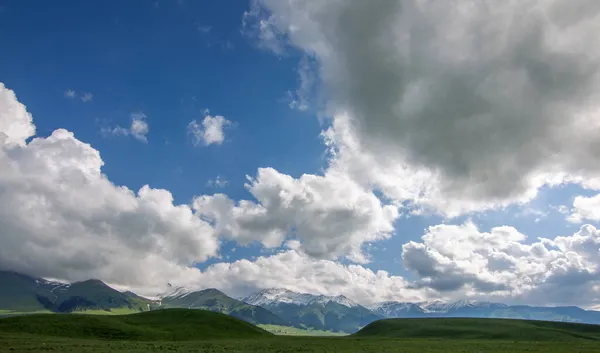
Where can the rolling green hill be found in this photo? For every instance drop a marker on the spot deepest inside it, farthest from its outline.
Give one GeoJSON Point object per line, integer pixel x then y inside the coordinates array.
{"type": "Point", "coordinates": [215, 300]}
{"type": "Point", "coordinates": [183, 330]}
{"type": "Point", "coordinates": [163, 325]}
{"type": "Point", "coordinates": [485, 329]}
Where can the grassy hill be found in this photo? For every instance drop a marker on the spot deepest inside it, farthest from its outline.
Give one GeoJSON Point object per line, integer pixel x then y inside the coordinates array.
{"type": "Point", "coordinates": [484, 329]}
{"type": "Point", "coordinates": [159, 325]}
{"type": "Point", "coordinates": [215, 300]}
{"type": "Point", "coordinates": [182, 330]}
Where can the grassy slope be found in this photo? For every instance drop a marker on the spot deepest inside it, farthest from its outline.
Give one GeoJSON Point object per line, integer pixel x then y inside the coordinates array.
{"type": "Point", "coordinates": [167, 325]}
{"type": "Point", "coordinates": [490, 329]}
{"type": "Point", "coordinates": [19, 293]}
{"type": "Point", "coordinates": [201, 331]}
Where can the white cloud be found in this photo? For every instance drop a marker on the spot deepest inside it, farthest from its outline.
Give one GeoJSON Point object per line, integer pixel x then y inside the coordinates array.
{"type": "Point", "coordinates": [87, 97]}
{"type": "Point", "coordinates": [561, 209]}
{"type": "Point", "coordinates": [218, 182]}
{"type": "Point", "coordinates": [300, 98]}
{"type": "Point", "coordinates": [461, 261]}
{"type": "Point", "coordinates": [294, 271]}
{"type": "Point", "coordinates": [452, 262]}
{"type": "Point", "coordinates": [209, 131]}
{"type": "Point", "coordinates": [138, 129]}
{"type": "Point", "coordinates": [70, 94]}
{"type": "Point", "coordinates": [485, 110]}
{"type": "Point", "coordinates": [585, 208]}
{"type": "Point", "coordinates": [139, 126]}
{"type": "Point", "coordinates": [328, 216]}
{"type": "Point", "coordinates": [256, 24]}
{"type": "Point", "coordinates": [15, 121]}
{"type": "Point", "coordinates": [61, 217]}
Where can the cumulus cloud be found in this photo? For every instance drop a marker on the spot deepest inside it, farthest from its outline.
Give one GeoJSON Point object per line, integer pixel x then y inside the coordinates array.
{"type": "Point", "coordinates": [138, 128]}
{"type": "Point", "coordinates": [61, 217]}
{"type": "Point", "coordinates": [209, 131]}
{"type": "Point", "coordinates": [292, 270]}
{"type": "Point", "coordinates": [451, 262]}
{"type": "Point", "coordinates": [585, 208]}
{"type": "Point", "coordinates": [461, 260]}
{"type": "Point", "coordinates": [490, 101]}
{"type": "Point", "coordinates": [327, 216]}
{"type": "Point", "coordinates": [15, 121]}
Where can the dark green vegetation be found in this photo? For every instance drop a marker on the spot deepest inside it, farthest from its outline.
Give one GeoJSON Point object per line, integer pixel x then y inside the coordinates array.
{"type": "Point", "coordinates": [24, 294]}
{"type": "Point", "coordinates": [159, 325]}
{"type": "Point", "coordinates": [497, 329]}
{"type": "Point", "coordinates": [215, 300]}
{"type": "Point", "coordinates": [180, 330]}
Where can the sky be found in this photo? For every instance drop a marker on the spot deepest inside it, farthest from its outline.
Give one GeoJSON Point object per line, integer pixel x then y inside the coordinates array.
{"type": "Point", "coordinates": [385, 150]}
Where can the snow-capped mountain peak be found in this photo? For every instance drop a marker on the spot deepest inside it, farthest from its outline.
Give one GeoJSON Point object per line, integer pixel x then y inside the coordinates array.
{"type": "Point", "coordinates": [343, 300]}
{"type": "Point", "coordinates": [442, 307]}
{"type": "Point", "coordinates": [175, 292]}
{"type": "Point", "coordinates": [277, 295]}
{"type": "Point", "coordinates": [274, 296]}
{"type": "Point", "coordinates": [396, 309]}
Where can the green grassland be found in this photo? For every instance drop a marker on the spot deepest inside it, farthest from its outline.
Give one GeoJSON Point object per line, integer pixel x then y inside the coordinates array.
{"type": "Point", "coordinates": [496, 329]}
{"type": "Point", "coordinates": [295, 331]}
{"type": "Point", "coordinates": [181, 330]}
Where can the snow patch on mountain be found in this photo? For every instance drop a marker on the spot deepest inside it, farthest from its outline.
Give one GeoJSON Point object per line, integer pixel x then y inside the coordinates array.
{"type": "Point", "coordinates": [274, 296]}
{"type": "Point", "coordinates": [175, 292]}
{"type": "Point", "coordinates": [442, 307]}
{"type": "Point", "coordinates": [395, 309]}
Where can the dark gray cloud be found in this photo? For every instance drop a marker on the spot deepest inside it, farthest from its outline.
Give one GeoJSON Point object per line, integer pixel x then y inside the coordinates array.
{"type": "Point", "coordinates": [494, 98]}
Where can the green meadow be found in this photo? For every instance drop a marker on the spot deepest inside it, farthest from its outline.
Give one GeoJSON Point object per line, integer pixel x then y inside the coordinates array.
{"type": "Point", "coordinates": [181, 330]}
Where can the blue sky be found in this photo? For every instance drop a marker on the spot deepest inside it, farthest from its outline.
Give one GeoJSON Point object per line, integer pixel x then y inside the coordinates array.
{"type": "Point", "coordinates": [170, 60]}
{"type": "Point", "coordinates": [378, 128]}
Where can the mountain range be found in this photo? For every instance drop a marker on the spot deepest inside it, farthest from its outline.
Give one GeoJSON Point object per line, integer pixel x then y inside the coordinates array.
{"type": "Point", "coordinates": [22, 294]}
{"type": "Point", "coordinates": [314, 311]}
